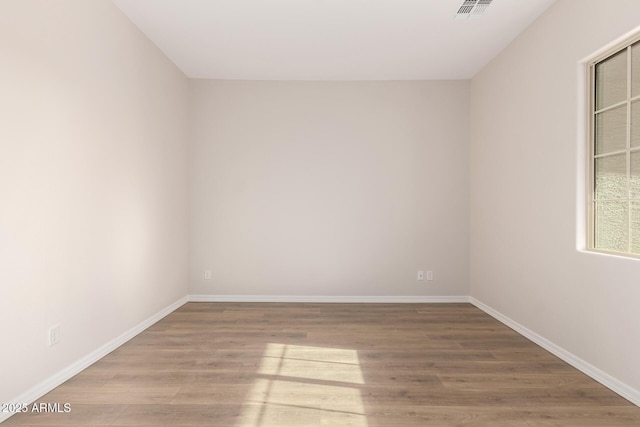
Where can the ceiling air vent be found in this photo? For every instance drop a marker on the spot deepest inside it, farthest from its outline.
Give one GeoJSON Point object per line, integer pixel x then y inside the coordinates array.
{"type": "Point", "coordinates": [472, 8]}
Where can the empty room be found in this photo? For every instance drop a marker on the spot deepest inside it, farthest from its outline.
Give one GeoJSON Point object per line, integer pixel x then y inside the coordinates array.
{"type": "Point", "coordinates": [297, 213]}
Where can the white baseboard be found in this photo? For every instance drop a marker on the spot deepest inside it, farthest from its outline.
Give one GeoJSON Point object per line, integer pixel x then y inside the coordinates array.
{"type": "Point", "coordinates": [55, 380]}
{"type": "Point", "coordinates": [49, 384]}
{"type": "Point", "coordinates": [629, 393]}
{"type": "Point", "coordinates": [327, 298]}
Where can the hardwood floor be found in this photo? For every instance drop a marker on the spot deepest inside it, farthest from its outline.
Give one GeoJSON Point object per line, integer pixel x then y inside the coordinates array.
{"type": "Point", "coordinates": [231, 364]}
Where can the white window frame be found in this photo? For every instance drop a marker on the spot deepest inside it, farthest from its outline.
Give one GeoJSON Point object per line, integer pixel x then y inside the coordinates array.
{"type": "Point", "coordinates": [591, 156]}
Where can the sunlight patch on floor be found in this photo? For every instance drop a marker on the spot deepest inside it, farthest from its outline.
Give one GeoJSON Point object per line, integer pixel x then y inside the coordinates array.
{"type": "Point", "coordinates": [303, 385]}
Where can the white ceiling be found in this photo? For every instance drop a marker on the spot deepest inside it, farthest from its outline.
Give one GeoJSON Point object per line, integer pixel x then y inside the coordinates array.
{"type": "Point", "coordinates": [329, 39]}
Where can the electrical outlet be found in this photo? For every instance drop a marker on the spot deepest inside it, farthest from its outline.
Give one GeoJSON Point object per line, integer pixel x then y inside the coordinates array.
{"type": "Point", "coordinates": [420, 275]}
{"type": "Point", "coordinates": [54, 335]}
{"type": "Point", "coordinates": [207, 275]}
{"type": "Point", "coordinates": [429, 275]}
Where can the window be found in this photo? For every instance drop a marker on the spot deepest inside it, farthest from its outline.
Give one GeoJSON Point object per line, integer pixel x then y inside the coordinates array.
{"type": "Point", "coordinates": [615, 152]}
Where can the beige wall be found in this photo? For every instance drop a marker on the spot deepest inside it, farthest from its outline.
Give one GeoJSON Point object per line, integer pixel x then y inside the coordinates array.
{"type": "Point", "coordinates": [93, 199]}
{"type": "Point", "coordinates": [329, 188]}
{"type": "Point", "coordinates": [525, 148]}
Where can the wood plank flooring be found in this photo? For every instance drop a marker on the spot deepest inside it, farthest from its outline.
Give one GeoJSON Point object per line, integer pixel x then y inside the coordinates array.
{"type": "Point", "coordinates": [369, 365]}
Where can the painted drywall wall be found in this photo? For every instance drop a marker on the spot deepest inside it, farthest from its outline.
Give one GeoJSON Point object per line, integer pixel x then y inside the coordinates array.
{"type": "Point", "coordinates": [93, 194]}
{"type": "Point", "coordinates": [328, 188]}
{"type": "Point", "coordinates": [527, 143]}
